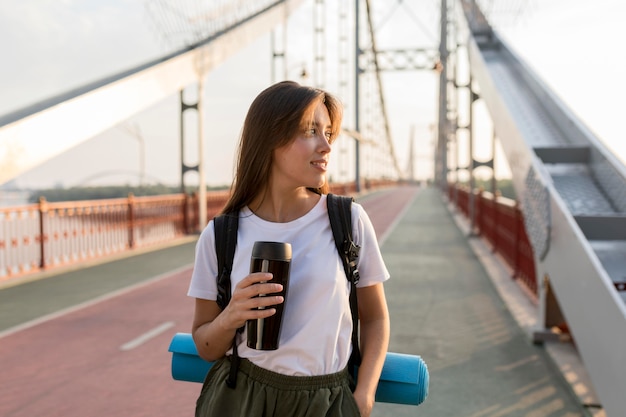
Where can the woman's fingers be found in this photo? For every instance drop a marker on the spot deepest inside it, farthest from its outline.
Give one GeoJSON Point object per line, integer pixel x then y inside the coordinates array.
{"type": "Point", "coordinates": [253, 298]}
{"type": "Point", "coordinates": [256, 284]}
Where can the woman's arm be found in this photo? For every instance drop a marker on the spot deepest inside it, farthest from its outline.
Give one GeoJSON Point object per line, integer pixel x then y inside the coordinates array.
{"type": "Point", "coordinates": [213, 330]}
{"type": "Point", "coordinates": [374, 321]}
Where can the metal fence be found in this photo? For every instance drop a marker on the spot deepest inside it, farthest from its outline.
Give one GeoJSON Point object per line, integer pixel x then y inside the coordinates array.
{"type": "Point", "coordinates": [501, 222]}
{"type": "Point", "coordinates": [43, 236]}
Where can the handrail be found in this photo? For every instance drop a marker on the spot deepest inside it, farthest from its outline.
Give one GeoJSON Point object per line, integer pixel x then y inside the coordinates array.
{"type": "Point", "coordinates": [37, 237]}
{"type": "Point", "coordinates": [46, 235]}
{"type": "Point", "coordinates": [501, 222]}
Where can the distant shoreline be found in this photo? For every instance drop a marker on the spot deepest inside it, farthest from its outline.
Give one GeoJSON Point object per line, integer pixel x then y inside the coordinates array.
{"type": "Point", "coordinates": [14, 198]}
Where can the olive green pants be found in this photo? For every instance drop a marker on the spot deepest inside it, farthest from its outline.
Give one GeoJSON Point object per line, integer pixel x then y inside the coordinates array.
{"type": "Point", "coordinates": [264, 393]}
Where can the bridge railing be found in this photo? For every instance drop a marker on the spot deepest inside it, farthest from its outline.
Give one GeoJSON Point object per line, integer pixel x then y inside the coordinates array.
{"type": "Point", "coordinates": [46, 235]}
{"type": "Point", "coordinates": [500, 221]}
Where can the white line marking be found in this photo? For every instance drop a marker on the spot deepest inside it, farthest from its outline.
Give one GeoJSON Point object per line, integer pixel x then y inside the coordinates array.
{"type": "Point", "coordinates": [397, 219]}
{"type": "Point", "coordinates": [138, 341]}
{"type": "Point", "coordinates": [92, 302]}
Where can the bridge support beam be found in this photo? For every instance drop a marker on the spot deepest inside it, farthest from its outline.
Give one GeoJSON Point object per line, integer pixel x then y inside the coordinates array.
{"type": "Point", "coordinates": [357, 74]}
{"type": "Point", "coordinates": [199, 167]}
{"type": "Point", "coordinates": [441, 152]}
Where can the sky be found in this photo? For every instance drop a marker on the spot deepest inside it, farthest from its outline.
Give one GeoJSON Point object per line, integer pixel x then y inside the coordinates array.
{"type": "Point", "coordinates": [51, 46]}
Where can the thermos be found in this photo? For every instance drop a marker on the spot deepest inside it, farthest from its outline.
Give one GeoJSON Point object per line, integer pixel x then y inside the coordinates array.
{"type": "Point", "coordinates": [273, 257]}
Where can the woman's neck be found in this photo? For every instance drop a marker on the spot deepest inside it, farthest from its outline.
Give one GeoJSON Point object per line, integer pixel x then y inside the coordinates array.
{"type": "Point", "coordinates": [283, 207]}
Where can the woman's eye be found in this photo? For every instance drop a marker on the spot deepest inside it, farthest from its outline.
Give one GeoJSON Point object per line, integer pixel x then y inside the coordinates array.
{"type": "Point", "coordinates": [313, 132]}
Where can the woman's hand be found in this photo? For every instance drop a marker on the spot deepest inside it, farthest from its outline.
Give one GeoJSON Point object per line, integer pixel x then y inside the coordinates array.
{"type": "Point", "coordinates": [245, 303]}
{"type": "Point", "coordinates": [213, 329]}
{"type": "Point", "coordinates": [364, 402]}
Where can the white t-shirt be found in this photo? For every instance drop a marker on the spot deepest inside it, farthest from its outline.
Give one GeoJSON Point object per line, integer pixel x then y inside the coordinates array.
{"type": "Point", "coordinates": [317, 323]}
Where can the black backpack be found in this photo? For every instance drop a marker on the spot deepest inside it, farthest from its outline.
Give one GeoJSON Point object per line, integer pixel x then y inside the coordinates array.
{"type": "Point", "coordinates": [340, 215]}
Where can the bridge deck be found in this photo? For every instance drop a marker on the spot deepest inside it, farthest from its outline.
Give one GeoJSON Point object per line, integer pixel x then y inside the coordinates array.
{"type": "Point", "coordinates": [90, 358]}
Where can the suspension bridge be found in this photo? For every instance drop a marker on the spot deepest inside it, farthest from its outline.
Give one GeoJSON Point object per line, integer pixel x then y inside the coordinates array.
{"type": "Point", "coordinates": [570, 189]}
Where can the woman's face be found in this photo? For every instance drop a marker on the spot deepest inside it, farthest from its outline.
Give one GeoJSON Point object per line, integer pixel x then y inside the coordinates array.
{"type": "Point", "coordinates": [303, 161]}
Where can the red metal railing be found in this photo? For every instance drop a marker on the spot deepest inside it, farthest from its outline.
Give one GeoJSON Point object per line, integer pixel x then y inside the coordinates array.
{"type": "Point", "coordinates": [46, 235]}
{"type": "Point", "coordinates": [500, 221]}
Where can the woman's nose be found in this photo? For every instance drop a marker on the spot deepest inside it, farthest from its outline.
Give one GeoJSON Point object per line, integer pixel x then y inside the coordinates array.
{"type": "Point", "coordinates": [324, 146]}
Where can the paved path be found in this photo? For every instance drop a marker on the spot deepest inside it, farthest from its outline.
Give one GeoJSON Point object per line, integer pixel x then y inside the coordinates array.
{"type": "Point", "coordinates": [444, 308]}
{"type": "Point", "coordinates": [93, 342]}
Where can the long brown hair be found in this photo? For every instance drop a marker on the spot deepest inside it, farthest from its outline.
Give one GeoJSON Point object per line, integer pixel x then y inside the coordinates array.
{"type": "Point", "coordinates": [273, 120]}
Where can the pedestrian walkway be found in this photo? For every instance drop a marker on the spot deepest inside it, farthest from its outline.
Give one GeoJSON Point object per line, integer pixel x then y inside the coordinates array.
{"type": "Point", "coordinates": [443, 307]}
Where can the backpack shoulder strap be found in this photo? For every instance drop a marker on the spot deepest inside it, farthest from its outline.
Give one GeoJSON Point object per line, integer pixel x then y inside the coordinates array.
{"type": "Point", "coordinates": [340, 215]}
{"type": "Point", "coordinates": [225, 226]}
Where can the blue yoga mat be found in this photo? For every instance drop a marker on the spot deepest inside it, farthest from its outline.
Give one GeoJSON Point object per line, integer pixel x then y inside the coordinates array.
{"type": "Point", "coordinates": [404, 379]}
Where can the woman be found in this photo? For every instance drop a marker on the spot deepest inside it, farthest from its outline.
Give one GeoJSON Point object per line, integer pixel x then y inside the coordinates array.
{"type": "Point", "coordinates": [279, 192]}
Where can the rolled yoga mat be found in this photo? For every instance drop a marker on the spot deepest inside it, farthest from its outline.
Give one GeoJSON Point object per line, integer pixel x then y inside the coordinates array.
{"type": "Point", "coordinates": [404, 379]}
